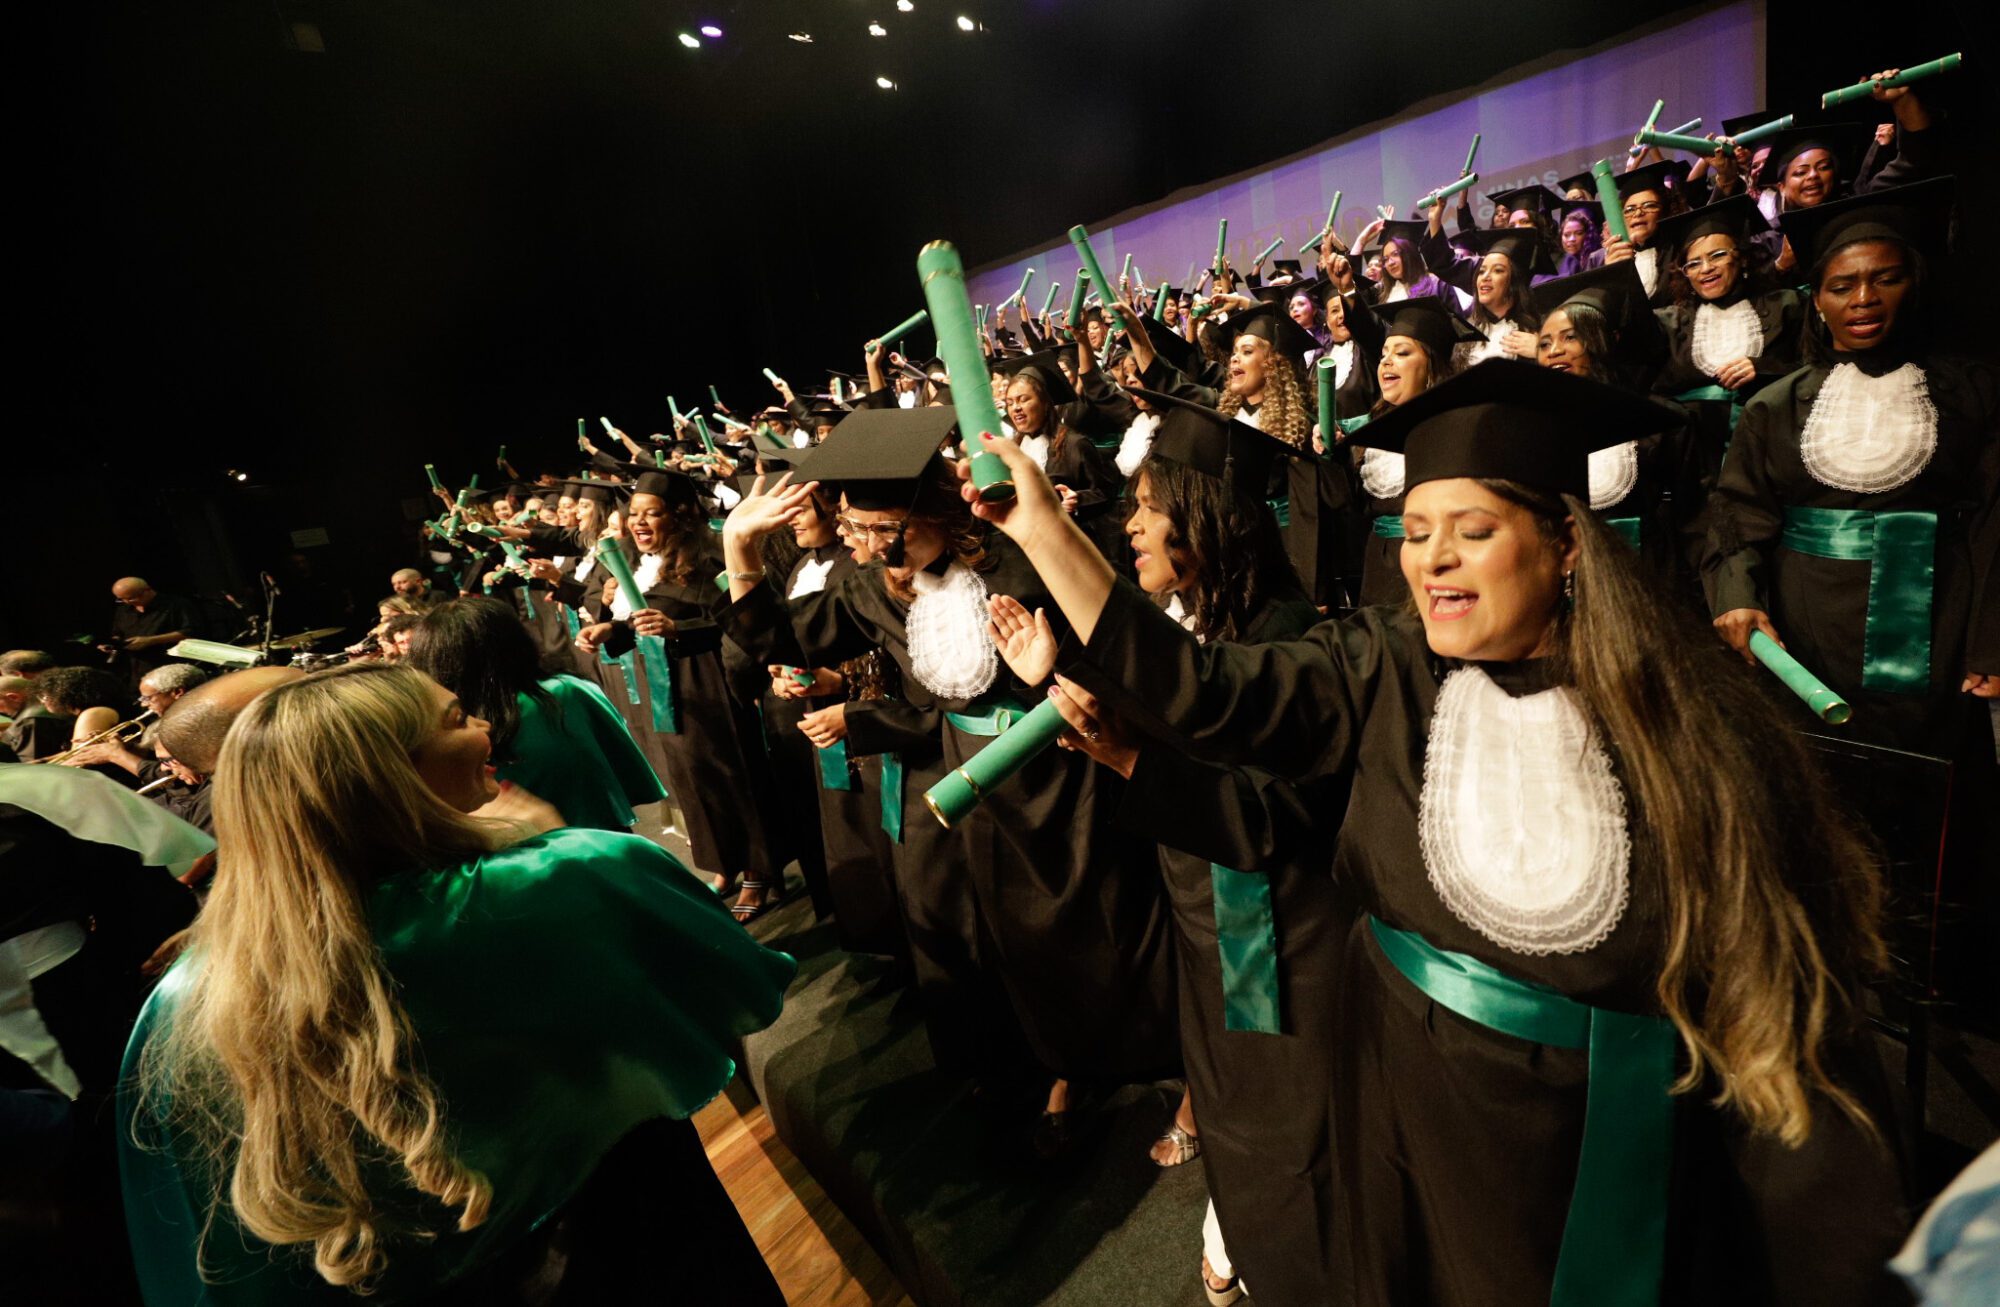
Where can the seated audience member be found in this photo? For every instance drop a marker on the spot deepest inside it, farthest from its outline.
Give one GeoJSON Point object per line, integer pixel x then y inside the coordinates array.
{"type": "Point", "coordinates": [192, 729]}
{"type": "Point", "coordinates": [158, 690]}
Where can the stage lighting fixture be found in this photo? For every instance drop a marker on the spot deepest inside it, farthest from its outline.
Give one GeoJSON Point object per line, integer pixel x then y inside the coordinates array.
{"type": "Point", "coordinates": [966, 24]}
{"type": "Point", "coordinates": [905, 5]}
{"type": "Point", "coordinates": [235, 475]}
{"type": "Point", "coordinates": [876, 29]}
{"type": "Point", "coordinates": [885, 84]}
{"type": "Point", "coordinates": [803, 38]}
{"type": "Point", "coordinates": [712, 32]}
{"type": "Point", "coordinates": [690, 40]}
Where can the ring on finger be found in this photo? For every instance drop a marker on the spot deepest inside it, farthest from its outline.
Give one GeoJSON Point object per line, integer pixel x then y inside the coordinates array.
{"type": "Point", "coordinates": [1092, 735]}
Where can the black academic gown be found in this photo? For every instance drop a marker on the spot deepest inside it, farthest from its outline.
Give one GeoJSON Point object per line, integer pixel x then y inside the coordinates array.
{"type": "Point", "coordinates": [1455, 1146]}
{"type": "Point", "coordinates": [1781, 316]}
{"type": "Point", "coordinates": [795, 763]}
{"type": "Point", "coordinates": [1820, 606]}
{"type": "Point", "coordinates": [713, 763]}
{"type": "Point", "coordinates": [1058, 894]}
{"type": "Point", "coordinates": [1263, 1100]}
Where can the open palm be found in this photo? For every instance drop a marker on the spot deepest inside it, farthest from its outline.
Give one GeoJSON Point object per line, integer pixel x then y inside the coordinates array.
{"type": "Point", "coordinates": [1024, 639]}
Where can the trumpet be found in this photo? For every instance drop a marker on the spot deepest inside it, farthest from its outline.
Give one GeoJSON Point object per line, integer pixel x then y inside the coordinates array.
{"type": "Point", "coordinates": [125, 732]}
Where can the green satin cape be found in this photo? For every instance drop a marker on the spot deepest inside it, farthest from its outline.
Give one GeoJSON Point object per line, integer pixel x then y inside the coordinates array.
{"type": "Point", "coordinates": [580, 757]}
{"type": "Point", "coordinates": [563, 991]}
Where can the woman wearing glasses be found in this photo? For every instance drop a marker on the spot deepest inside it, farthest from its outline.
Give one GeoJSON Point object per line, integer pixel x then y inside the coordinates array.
{"type": "Point", "coordinates": [1647, 195]}
{"type": "Point", "coordinates": [1035, 889]}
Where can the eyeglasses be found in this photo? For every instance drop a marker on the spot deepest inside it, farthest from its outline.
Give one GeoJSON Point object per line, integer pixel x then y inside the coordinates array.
{"type": "Point", "coordinates": [1634, 210]}
{"type": "Point", "coordinates": [874, 530]}
{"type": "Point", "coordinates": [1710, 261]}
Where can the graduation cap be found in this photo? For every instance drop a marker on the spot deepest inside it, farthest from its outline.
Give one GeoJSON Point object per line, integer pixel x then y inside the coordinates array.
{"type": "Point", "coordinates": [601, 493]}
{"type": "Point", "coordinates": [1042, 367]}
{"type": "Point", "coordinates": [1179, 352]}
{"type": "Point", "coordinates": [1664, 178]}
{"type": "Point", "coordinates": [826, 413]}
{"type": "Point", "coordinates": [1743, 122]}
{"type": "Point", "coordinates": [1411, 229]}
{"type": "Point", "coordinates": [1918, 215]}
{"type": "Point", "coordinates": [882, 457]}
{"type": "Point", "coordinates": [1580, 181]}
{"type": "Point", "coordinates": [1267, 322]}
{"type": "Point", "coordinates": [1847, 142]}
{"type": "Point", "coordinates": [1282, 295]}
{"type": "Point", "coordinates": [1537, 197]}
{"type": "Point", "coordinates": [1522, 245]}
{"type": "Point", "coordinates": [1736, 217]}
{"type": "Point", "coordinates": [1286, 268]}
{"type": "Point", "coordinates": [1534, 426]}
{"type": "Point", "coordinates": [1615, 291]}
{"type": "Point", "coordinates": [1423, 318]}
{"type": "Point", "coordinates": [1213, 443]}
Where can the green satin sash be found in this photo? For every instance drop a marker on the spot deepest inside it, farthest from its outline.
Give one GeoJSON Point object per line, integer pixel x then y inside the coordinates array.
{"type": "Point", "coordinates": [563, 991]}
{"type": "Point", "coordinates": [994, 721]}
{"type": "Point", "coordinates": [1614, 1239]}
{"type": "Point", "coordinates": [653, 656]}
{"type": "Point", "coordinates": [626, 663]}
{"type": "Point", "coordinates": [892, 796]}
{"type": "Point", "coordinates": [1717, 395]}
{"type": "Point", "coordinates": [1901, 550]}
{"type": "Point", "coordinates": [833, 772]}
{"type": "Point", "coordinates": [1387, 527]}
{"type": "Point", "coordinates": [1282, 510]}
{"type": "Point", "coordinates": [1246, 938]}
{"type": "Point", "coordinates": [569, 620]}
{"type": "Point", "coordinates": [1627, 527]}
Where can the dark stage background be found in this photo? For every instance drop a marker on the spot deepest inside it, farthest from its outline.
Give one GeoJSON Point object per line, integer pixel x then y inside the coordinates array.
{"type": "Point", "coordinates": [469, 223]}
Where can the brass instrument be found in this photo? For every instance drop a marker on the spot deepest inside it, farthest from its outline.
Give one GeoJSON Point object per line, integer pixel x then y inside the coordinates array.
{"type": "Point", "coordinates": [125, 732]}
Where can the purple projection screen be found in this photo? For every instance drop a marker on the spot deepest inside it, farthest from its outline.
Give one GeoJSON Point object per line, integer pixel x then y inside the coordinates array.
{"type": "Point", "coordinates": [1536, 124]}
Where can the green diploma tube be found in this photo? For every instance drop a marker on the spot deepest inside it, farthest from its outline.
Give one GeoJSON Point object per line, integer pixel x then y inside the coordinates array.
{"type": "Point", "coordinates": [1382, 212]}
{"type": "Point", "coordinates": [799, 675]}
{"type": "Point", "coordinates": [473, 484]}
{"type": "Point", "coordinates": [1608, 199]}
{"type": "Point", "coordinates": [1653, 118]}
{"type": "Point", "coordinates": [1675, 141]}
{"type": "Point", "coordinates": [772, 377]}
{"type": "Point", "coordinates": [1125, 273]}
{"type": "Point", "coordinates": [982, 310]}
{"type": "Point", "coordinates": [1691, 125]}
{"type": "Point", "coordinates": [962, 790]}
{"type": "Point", "coordinates": [1862, 90]}
{"type": "Point", "coordinates": [582, 432]}
{"type": "Point", "coordinates": [701, 429]}
{"type": "Point", "coordinates": [430, 470]}
{"type": "Point", "coordinates": [674, 409]}
{"type": "Point", "coordinates": [613, 558]}
{"type": "Point", "coordinates": [1049, 298]}
{"type": "Point", "coordinates": [715, 397]}
{"type": "Point", "coordinates": [1221, 243]}
{"type": "Point", "coordinates": [1021, 294]}
{"type": "Point", "coordinates": [1081, 239]}
{"type": "Point", "coordinates": [910, 324]}
{"type": "Point", "coordinates": [1269, 250]}
{"type": "Point", "coordinates": [502, 458]}
{"type": "Point", "coordinates": [1076, 298]}
{"type": "Point", "coordinates": [1759, 132]}
{"type": "Point", "coordinates": [1826, 705]}
{"type": "Point", "coordinates": [1464, 183]}
{"type": "Point", "coordinates": [943, 277]}
{"type": "Point", "coordinates": [1160, 304]}
{"type": "Point", "coordinates": [1324, 371]}
{"type": "Point", "coordinates": [1471, 153]}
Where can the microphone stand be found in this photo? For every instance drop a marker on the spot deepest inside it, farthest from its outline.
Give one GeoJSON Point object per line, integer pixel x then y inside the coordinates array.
{"type": "Point", "coordinates": [270, 608]}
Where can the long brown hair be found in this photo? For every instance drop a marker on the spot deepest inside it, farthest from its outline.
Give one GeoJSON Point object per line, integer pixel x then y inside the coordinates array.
{"type": "Point", "coordinates": [1227, 546]}
{"type": "Point", "coordinates": [289, 1060]}
{"type": "Point", "coordinates": [1773, 898]}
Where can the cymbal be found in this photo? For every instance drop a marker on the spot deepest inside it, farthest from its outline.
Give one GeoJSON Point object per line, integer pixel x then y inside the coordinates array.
{"type": "Point", "coordinates": [304, 638]}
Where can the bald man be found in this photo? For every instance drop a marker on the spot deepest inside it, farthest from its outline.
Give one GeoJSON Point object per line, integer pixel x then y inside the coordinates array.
{"type": "Point", "coordinates": [147, 624]}
{"type": "Point", "coordinates": [191, 731]}
{"type": "Point", "coordinates": [409, 583]}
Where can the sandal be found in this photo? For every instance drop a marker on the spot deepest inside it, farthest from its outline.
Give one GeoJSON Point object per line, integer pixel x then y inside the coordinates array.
{"type": "Point", "coordinates": [1053, 1136]}
{"type": "Point", "coordinates": [745, 913]}
{"type": "Point", "coordinates": [1187, 1145]}
{"type": "Point", "coordinates": [1227, 1294]}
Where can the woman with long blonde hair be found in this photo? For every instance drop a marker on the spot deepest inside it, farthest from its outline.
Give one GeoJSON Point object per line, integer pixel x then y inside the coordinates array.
{"type": "Point", "coordinates": [418, 1038]}
{"type": "Point", "coordinates": [1600, 1035]}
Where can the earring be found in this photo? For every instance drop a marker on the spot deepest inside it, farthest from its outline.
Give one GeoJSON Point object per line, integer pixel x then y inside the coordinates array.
{"type": "Point", "coordinates": [1569, 592]}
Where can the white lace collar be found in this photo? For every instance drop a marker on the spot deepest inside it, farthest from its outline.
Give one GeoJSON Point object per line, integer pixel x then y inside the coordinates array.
{"type": "Point", "coordinates": [1648, 263]}
{"type": "Point", "coordinates": [1138, 442]}
{"type": "Point", "coordinates": [951, 648]}
{"type": "Point", "coordinates": [1869, 434]}
{"type": "Point", "coordinates": [1613, 473]}
{"type": "Point", "coordinates": [1522, 821]}
{"type": "Point", "coordinates": [1178, 611]}
{"type": "Point", "coordinates": [1381, 473]}
{"type": "Point", "coordinates": [1342, 354]}
{"type": "Point", "coordinates": [1037, 448]}
{"type": "Point", "coordinates": [647, 574]}
{"type": "Point", "coordinates": [1721, 336]}
{"type": "Point", "coordinates": [810, 579]}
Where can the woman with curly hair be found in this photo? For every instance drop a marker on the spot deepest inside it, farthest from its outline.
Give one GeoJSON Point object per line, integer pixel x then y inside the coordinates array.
{"type": "Point", "coordinates": [424, 1046]}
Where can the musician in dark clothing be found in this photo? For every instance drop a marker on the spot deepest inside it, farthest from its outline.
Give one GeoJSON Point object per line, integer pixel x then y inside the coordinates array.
{"type": "Point", "coordinates": [147, 624]}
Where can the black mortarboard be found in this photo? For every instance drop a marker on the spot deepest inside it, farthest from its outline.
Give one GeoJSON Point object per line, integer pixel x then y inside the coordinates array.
{"type": "Point", "coordinates": [1423, 318]}
{"type": "Point", "coordinates": [1176, 349]}
{"type": "Point", "coordinates": [1664, 178]}
{"type": "Point", "coordinates": [1042, 367]}
{"type": "Point", "coordinates": [1847, 142]}
{"type": "Point", "coordinates": [1537, 197]}
{"type": "Point", "coordinates": [1522, 246]}
{"type": "Point", "coordinates": [1918, 214]}
{"type": "Point", "coordinates": [1613, 290]}
{"type": "Point", "coordinates": [1286, 268]}
{"type": "Point", "coordinates": [1268, 322]}
{"type": "Point", "coordinates": [880, 456]}
{"type": "Point", "coordinates": [1737, 217]}
{"type": "Point", "coordinates": [1411, 229]}
{"type": "Point", "coordinates": [1743, 122]}
{"type": "Point", "coordinates": [598, 492]}
{"type": "Point", "coordinates": [1210, 441]}
{"type": "Point", "coordinates": [1529, 425]}
{"type": "Point", "coordinates": [1581, 181]}
{"type": "Point", "coordinates": [1282, 295]}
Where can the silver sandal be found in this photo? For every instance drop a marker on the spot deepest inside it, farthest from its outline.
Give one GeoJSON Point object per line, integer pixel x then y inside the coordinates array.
{"type": "Point", "coordinates": [1187, 1146]}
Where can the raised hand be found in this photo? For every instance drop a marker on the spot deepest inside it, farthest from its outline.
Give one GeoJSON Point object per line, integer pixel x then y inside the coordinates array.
{"type": "Point", "coordinates": [1092, 729]}
{"type": "Point", "coordinates": [1026, 642]}
{"type": "Point", "coordinates": [1035, 507]}
{"type": "Point", "coordinates": [765, 509]}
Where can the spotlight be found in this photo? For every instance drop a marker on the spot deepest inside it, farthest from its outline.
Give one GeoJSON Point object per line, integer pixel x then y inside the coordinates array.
{"type": "Point", "coordinates": [803, 38]}
{"type": "Point", "coordinates": [966, 24]}
{"type": "Point", "coordinates": [691, 41]}
{"type": "Point", "coordinates": [885, 84]}
{"type": "Point", "coordinates": [235, 474]}
{"type": "Point", "coordinates": [712, 32]}
{"type": "Point", "coordinates": [905, 6]}
{"type": "Point", "coordinates": [876, 29]}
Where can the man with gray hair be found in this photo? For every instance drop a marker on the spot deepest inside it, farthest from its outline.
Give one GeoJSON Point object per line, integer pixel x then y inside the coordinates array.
{"type": "Point", "coordinates": [159, 690]}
